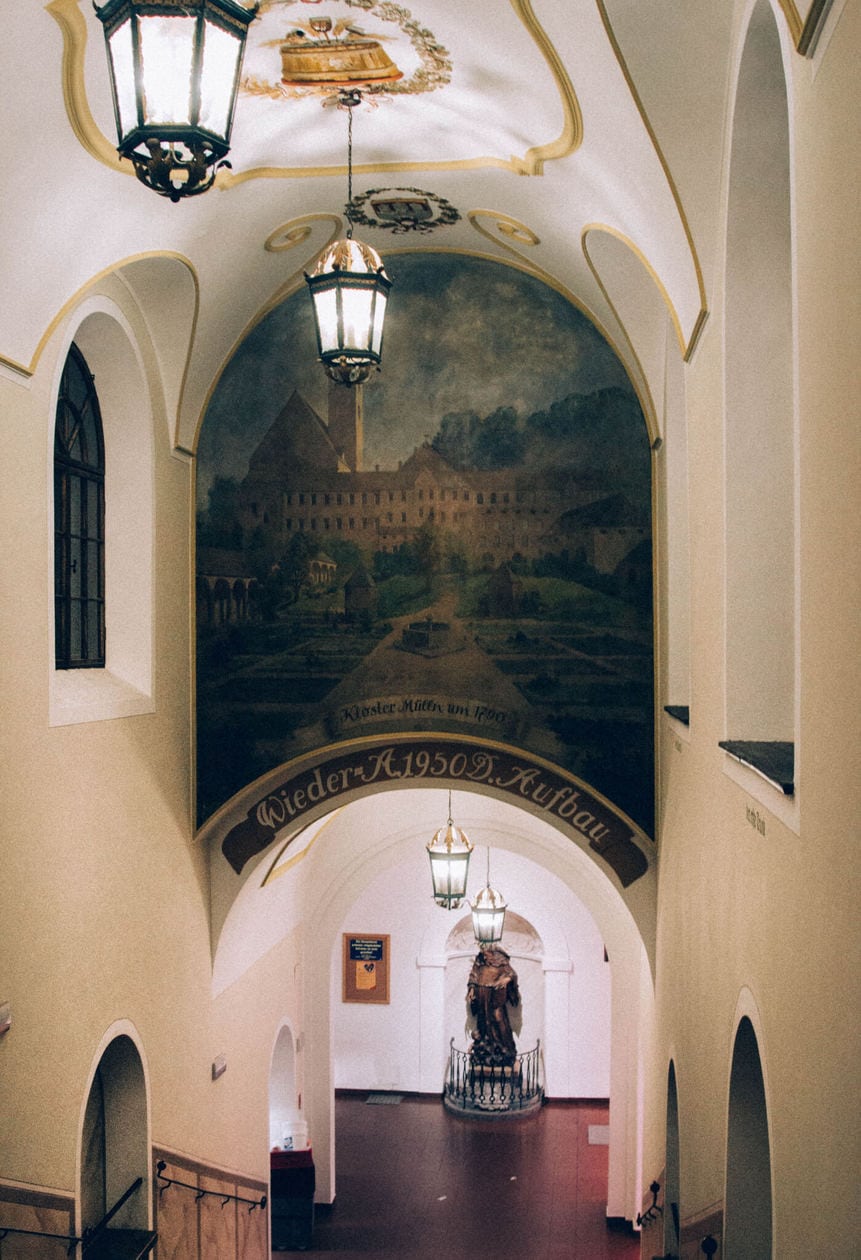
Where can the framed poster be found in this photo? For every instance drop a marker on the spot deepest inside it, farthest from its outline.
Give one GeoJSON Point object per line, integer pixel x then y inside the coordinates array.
{"type": "Point", "coordinates": [366, 968]}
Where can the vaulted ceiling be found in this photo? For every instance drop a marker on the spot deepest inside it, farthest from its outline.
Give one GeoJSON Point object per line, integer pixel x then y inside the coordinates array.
{"type": "Point", "coordinates": [579, 141]}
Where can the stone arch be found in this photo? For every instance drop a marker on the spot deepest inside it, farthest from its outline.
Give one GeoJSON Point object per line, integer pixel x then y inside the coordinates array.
{"type": "Point", "coordinates": [114, 1146]}
{"type": "Point", "coordinates": [272, 811]}
{"type": "Point", "coordinates": [748, 1226]}
{"type": "Point", "coordinates": [334, 867]}
{"type": "Point", "coordinates": [760, 430]}
{"type": "Point", "coordinates": [672, 1169]}
{"type": "Point", "coordinates": [105, 328]}
{"type": "Point", "coordinates": [285, 1092]}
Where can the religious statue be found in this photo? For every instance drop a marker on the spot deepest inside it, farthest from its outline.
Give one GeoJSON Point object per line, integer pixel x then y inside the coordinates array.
{"type": "Point", "coordinates": [492, 987]}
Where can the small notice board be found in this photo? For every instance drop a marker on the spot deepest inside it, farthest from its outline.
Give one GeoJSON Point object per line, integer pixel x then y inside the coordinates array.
{"type": "Point", "coordinates": [366, 968]}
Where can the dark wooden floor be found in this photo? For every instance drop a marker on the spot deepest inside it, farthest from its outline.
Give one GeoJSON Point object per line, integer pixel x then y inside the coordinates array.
{"type": "Point", "coordinates": [414, 1181]}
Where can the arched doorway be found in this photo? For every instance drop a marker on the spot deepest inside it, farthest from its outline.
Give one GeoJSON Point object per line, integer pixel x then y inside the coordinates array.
{"type": "Point", "coordinates": [672, 1177]}
{"type": "Point", "coordinates": [115, 1143]}
{"type": "Point", "coordinates": [287, 1127]}
{"type": "Point", "coordinates": [369, 875]}
{"type": "Point", "coordinates": [748, 1222]}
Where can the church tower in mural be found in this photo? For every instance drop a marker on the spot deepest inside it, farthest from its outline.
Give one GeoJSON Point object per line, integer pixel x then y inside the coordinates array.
{"type": "Point", "coordinates": [346, 423]}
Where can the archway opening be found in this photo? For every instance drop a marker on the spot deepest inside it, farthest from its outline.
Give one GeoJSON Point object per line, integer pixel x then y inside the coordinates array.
{"type": "Point", "coordinates": [114, 1143]}
{"type": "Point", "coordinates": [287, 1127]}
{"type": "Point", "coordinates": [748, 1222]}
{"type": "Point", "coordinates": [672, 1176]}
{"type": "Point", "coordinates": [760, 445]}
{"type": "Point", "coordinates": [362, 871]}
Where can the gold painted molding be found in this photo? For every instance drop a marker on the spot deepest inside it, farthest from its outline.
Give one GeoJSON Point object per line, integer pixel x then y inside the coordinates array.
{"type": "Point", "coordinates": [116, 269]}
{"type": "Point", "coordinates": [635, 249]}
{"type": "Point", "coordinates": [571, 136]}
{"type": "Point", "coordinates": [277, 868]}
{"type": "Point", "coordinates": [793, 19]}
{"type": "Point", "coordinates": [687, 348]}
{"type": "Point", "coordinates": [67, 14]}
{"type": "Point", "coordinates": [805, 31]}
{"type": "Point", "coordinates": [609, 231]}
{"type": "Point", "coordinates": [511, 228]}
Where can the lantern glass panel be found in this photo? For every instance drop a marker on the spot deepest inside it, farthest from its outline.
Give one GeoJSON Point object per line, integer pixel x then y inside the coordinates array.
{"type": "Point", "coordinates": [326, 303]}
{"type": "Point", "coordinates": [221, 53]}
{"type": "Point", "coordinates": [487, 924]}
{"type": "Point", "coordinates": [122, 62]}
{"type": "Point", "coordinates": [449, 873]}
{"type": "Point", "coordinates": [167, 59]}
{"type": "Point", "coordinates": [356, 308]}
{"type": "Point", "coordinates": [379, 319]}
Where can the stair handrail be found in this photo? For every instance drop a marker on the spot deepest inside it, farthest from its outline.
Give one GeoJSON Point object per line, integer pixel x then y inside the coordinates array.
{"type": "Point", "coordinates": [92, 1231]}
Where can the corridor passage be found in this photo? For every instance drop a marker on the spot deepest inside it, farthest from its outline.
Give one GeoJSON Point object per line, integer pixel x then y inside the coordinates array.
{"type": "Point", "coordinates": [414, 1181]}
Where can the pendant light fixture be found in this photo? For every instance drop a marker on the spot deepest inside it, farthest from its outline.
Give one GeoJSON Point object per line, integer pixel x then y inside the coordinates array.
{"type": "Point", "coordinates": [449, 852]}
{"type": "Point", "coordinates": [349, 289]}
{"type": "Point", "coordinates": [174, 77]}
{"type": "Point", "coordinates": [488, 912]}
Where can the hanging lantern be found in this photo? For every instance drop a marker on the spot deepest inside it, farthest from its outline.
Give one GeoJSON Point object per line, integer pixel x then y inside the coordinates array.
{"type": "Point", "coordinates": [349, 289]}
{"type": "Point", "coordinates": [174, 75]}
{"type": "Point", "coordinates": [449, 852]}
{"type": "Point", "coordinates": [488, 912]}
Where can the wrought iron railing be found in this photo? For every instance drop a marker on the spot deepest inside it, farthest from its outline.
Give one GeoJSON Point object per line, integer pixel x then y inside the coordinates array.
{"type": "Point", "coordinates": [494, 1089]}
{"type": "Point", "coordinates": [89, 1236]}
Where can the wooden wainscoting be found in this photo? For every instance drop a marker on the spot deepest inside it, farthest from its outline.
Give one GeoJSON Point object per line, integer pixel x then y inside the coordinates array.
{"type": "Point", "coordinates": [29, 1207]}
{"type": "Point", "coordinates": [192, 1228]}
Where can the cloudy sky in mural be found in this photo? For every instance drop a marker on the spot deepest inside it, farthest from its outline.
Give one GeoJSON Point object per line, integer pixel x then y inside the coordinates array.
{"type": "Point", "coordinates": [461, 334]}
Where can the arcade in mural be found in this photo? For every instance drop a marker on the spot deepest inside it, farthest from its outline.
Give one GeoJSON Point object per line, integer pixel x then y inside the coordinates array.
{"type": "Point", "coordinates": [461, 546]}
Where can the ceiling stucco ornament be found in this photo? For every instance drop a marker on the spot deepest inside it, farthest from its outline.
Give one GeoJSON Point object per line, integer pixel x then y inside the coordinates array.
{"type": "Point", "coordinates": [297, 51]}
{"type": "Point", "coordinates": [401, 210]}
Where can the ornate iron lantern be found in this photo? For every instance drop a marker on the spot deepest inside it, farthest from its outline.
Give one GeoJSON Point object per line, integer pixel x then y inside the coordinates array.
{"type": "Point", "coordinates": [449, 852]}
{"type": "Point", "coordinates": [488, 912]}
{"type": "Point", "coordinates": [175, 68]}
{"type": "Point", "coordinates": [349, 289]}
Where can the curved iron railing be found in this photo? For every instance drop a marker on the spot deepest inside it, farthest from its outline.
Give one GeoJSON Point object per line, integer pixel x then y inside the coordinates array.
{"type": "Point", "coordinates": [492, 1089]}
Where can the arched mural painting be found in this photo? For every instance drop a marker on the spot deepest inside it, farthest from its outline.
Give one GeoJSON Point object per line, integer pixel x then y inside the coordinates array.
{"type": "Point", "coordinates": [462, 549]}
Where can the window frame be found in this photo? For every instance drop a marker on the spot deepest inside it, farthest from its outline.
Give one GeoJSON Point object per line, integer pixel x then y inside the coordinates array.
{"type": "Point", "coordinates": [79, 541]}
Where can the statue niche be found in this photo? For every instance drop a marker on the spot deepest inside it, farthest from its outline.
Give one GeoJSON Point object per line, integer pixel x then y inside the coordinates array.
{"type": "Point", "coordinates": [491, 989]}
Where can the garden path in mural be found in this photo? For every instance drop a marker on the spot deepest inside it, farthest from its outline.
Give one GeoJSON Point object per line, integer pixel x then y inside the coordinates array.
{"type": "Point", "coordinates": [488, 574]}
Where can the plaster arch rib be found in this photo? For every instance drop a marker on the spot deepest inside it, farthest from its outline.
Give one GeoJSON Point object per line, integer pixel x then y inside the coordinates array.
{"type": "Point", "coordinates": [163, 292]}
{"type": "Point", "coordinates": [689, 309]}
{"type": "Point", "coordinates": [271, 812]}
{"type": "Point", "coordinates": [363, 852]}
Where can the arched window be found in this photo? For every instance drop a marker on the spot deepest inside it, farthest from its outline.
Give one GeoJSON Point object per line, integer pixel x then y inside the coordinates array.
{"type": "Point", "coordinates": [761, 472]}
{"type": "Point", "coordinates": [79, 520]}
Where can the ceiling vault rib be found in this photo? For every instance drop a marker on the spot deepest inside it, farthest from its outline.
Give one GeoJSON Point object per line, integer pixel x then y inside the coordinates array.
{"type": "Point", "coordinates": [686, 346]}
{"type": "Point", "coordinates": [644, 394]}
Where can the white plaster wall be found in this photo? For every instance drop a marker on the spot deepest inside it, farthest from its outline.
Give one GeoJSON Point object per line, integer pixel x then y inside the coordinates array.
{"type": "Point", "coordinates": [773, 913]}
{"type": "Point", "coordinates": [379, 1047]}
{"type": "Point", "coordinates": [104, 907]}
